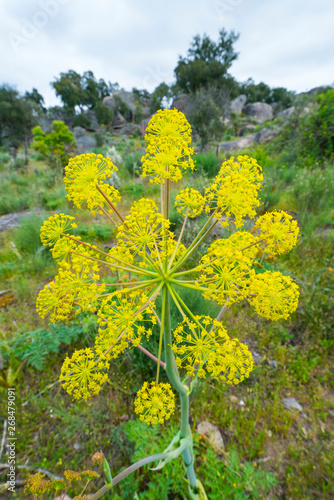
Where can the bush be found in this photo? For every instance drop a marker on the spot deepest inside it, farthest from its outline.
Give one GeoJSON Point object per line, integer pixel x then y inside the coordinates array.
{"type": "Point", "coordinates": [19, 164]}
{"type": "Point", "coordinates": [4, 159]}
{"type": "Point", "coordinates": [207, 164]}
{"type": "Point", "coordinates": [133, 163]}
{"type": "Point", "coordinates": [318, 128]}
{"type": "Point", "coordinates": [81, 120]}
{"type": "Point", "coordinates": [103, 114]}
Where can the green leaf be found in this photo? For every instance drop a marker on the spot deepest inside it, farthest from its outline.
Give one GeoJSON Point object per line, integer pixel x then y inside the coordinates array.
{"type": "Point", "coordinates": [107, 472]}
{"type": "Point", "coordinates": [174, 449]}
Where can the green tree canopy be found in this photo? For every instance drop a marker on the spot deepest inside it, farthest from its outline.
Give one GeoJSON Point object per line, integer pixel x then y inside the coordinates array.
{"type": "Point", "coordinates": [261, 92]}
{"type": "Point", "coordinates": [56, 145]}
{"type": "Point", "coordinates": [82, 91]}
{"type": "Point", "coordinates": [207, 63]}
{"type": "Point", "coordinates": [17, 117]}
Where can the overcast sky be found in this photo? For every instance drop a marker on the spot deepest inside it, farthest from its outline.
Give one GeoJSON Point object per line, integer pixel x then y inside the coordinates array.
{"type": "Point", "coordinates": [287, 43]}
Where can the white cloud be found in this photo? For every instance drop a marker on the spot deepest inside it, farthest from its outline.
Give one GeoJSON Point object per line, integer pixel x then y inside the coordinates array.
{"type": "Point", "coordinates": [137, 44]}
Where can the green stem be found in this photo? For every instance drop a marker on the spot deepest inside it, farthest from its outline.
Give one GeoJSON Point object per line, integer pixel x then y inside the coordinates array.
{"type": "Point", "coordinates": [126, 472]}
{"type": "Point", "coordinates": [175, 380]}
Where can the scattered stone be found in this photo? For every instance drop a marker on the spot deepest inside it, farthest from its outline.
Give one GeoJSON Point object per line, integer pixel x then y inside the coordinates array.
{"type": "Point", "coordinates": [242, 402]}
{"type": "Point", "coordinates": [292, 404]}
{"type": "Point", "coordinates": [259, 110]}
{"type": "Point", "coordinates": [213, 434]}
{"type": "Point", "coordinates": [143, 125]}
{"type": "Point", "coordinates": [79, 132]}
{"type": "Point", "coordinates": [237, 144]}
{"type": "Point", "coordinates": [181, 102]}
{"type": "Point", "coordinates": [269, 434]}
{"type": "Point", "coordinates": [119, 121]}
{"type": "Point", "coordinates": [265, 135]}
{"type": "Point", "coordinates": [256, 357]}
{"type": "Point", "coordinates": [77, 446]}
{"type": "Point", "coordinates": [85, 143]}
{"type": "Point", "coordinates": [331, 412]}
{"type": "Point", "coordinates": [94, 124]}
{"type": "Point", "coordinates": [124, 417]}
{"type": "Point", "coordinates": [233, 399]}
{"type": "Point", "coordinates": [238, 103]}
{"type": "Point", "coordinates": [285, 113]}
{"type": "Point", "coordinates": [272, 363]}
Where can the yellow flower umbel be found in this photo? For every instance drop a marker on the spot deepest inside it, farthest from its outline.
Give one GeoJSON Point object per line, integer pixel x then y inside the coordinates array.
{"type": "Point", "coordinates": [168, 153]}
{"type": "Point", "coordinates": [155, 403]}
{"type": "Point", "coordinates": [233, 194]}
{"type": "Point", "coordinates": [148, 261]}
{"type": "Point", "coordinates": [84, 374]}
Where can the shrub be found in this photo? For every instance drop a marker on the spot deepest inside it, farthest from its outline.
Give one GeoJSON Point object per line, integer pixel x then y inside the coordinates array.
{"type": "Point", "coordinates": [81, 120]}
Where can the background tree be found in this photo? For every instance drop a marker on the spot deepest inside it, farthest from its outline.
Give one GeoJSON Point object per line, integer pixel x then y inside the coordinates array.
{"type": "Point", "coordinates": [82, 91]}
{"type": "Point", "coordinates": [261, 92]}
{"type": "Point", "coordinates": [208, 111]}
{"type": "Point", "coordinates": [207, 63]}
{"type": "Point", "coordinates": [17, 117]}
{"type": "Point", "coordinates": [35, 97]}
{"type": "Point", "coordinates": [56, 146]}
{"type": "Point", "coordinates": [160, 93]}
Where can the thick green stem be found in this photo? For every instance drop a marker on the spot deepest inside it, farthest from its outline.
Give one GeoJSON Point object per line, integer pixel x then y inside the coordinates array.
{"type": "Point", "coordinates": [175, 380]}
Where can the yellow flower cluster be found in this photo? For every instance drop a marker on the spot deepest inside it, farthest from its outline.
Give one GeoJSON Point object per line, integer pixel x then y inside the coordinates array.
{"type": "Point", "coordinates": [155, 403]}
{"type": "Point", "coordinates": [168, 154]}
{"type": "Point", "coordinates": [225, 272]}
{"type": "Point", "coordinates": [190, 200]}
{"type": "Point", "coordinates": [273, 295]}
{"type": "Point", "coordinates": [37, 485]}
{"type": "Point", "coordinates": [233, 362]}
{"type": "Point", "coordinates": [194, 346]}
{"type": "Point", "coordinates": [234, 190]}
{"type": "Point", "coordinates": [83, 174]}
{"type": "Point", "coordinates": [143, 228]}
{"type": "Point", "coordinates": [84, 374]}
{"type": "Point", "coordinates": [74, 285]}
{"type": "Point", "coordinates": [118, 317]}
{"type": "Point", "coordinates": [205, 347]}
{"type": "Point", "coordinates": [280, 231]}
{"type": "Point", "coordinates": [55, 227]}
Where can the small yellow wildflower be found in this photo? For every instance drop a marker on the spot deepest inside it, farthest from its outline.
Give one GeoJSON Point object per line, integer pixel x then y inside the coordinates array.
{"type": "Point", "coordinates": [280, 230]}
{"type": "Point", "coordinates": [83, 374]}
{"type": "Point", "coordinates": [83, 174]}
{"type": "Point", "coordinates": [36, 485]}
{"type": "Point", "coordinates": [190, 200]}
{"type": "Point", "coordinates": [168, 135]}
{"type": "Point", "coordinates": [90, 474]}
{"type": "Point", "coordinates": [234, 190]}
{"type": "Point", "coordinates": [55, 227]}
{"type": "Point", "coordinates": [273, 295]}
{"type": "Point", "coordinates": [71, 475]}
{"type": "Point", "coordinates": [155, 403]}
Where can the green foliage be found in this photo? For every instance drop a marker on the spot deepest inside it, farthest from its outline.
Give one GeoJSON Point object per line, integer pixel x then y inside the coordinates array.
{"type": "Point", "coordinates": [17, 117]}
{"type": "Point", "coordinates": [94, 232]}
{"type": "Point", "coordinates": [207, 63]}
{"type": "Point", "coordinates": [222, 479]}
{"type": "Point", "coordinates": [53, 199]}
{"type": "Point", "coordinates": [76, 90]}
{"type": "Point", "coordinates": [99, 139]}
{"type": "Point", "coordinates": [4, 159]}
{"type": "Point", "coordinates": [36, 346]}
{"type": "Point", "coordinates": [19, 164]}
{"type": "Point", "coordinates": [56, 146]}
{"type": "Point", "coordinates": [133, 163]}
{"type": "Point", "coordinates": [158, 95]}
{"type": "Point", "coordinates": [81, 120]}
{"type": "Point", "coordinates": [207, 164]}
{"type": "Point", "coordinates": [103, 114]}
{"type": "Point", "coordinates": [261, 92]}
{"type": "Point", "coordinates": [318, 128]}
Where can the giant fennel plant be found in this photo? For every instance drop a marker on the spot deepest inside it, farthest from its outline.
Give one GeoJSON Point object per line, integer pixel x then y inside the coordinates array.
{"type": "Point", "coordinates": [148, 251]}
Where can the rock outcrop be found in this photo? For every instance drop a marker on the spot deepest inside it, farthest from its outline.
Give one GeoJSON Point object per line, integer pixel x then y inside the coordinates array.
{"type": "Point", "coordinates": [259, 110]}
